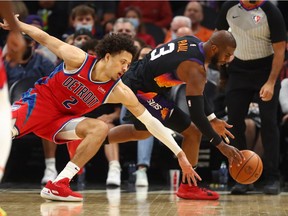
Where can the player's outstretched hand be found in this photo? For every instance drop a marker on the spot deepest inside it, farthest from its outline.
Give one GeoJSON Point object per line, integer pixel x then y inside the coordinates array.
{"type": "Point", "coordinates": [232, 153]}
{"type": "Point", "coordinates": [5, 25]}
{"type": "Point", "coordinates": [221, 128]}
{"type": "Point", "coordinates": [188, 172]}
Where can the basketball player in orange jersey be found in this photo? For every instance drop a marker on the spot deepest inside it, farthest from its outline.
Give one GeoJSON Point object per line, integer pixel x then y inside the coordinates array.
{"type": "Point", "coordinates": [15, 49]}
{"type": "Point", "coordinates": [53, 109]}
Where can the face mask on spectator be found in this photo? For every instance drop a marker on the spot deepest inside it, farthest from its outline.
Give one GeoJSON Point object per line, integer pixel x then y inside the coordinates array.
{"type": "Point", "coordinates": [87, 26]}
{"type": "Point", "coordinates": [135, 22]}
{"type": "Point", "coordinates": [173, 35]}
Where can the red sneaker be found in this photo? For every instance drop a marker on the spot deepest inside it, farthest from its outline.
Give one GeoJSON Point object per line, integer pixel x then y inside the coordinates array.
{"type": "Point", "coordinates": [196, 193]}
{"type": "Point", "coordinates": [60, 191]}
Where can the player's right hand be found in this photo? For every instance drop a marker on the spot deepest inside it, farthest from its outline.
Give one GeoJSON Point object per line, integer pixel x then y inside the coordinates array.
{"type": "Point", "coordinates": [232, 153]}
{"type": "Point", "coordinates": [187, 170]}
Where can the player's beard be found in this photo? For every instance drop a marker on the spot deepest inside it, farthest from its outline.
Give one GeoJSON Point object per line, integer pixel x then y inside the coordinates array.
{"type": "Point", "coordinates": [215, 59]}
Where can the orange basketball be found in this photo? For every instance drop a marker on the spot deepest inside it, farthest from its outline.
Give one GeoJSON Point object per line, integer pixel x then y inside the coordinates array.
{"type": "Point", "coordinates": [249, 171]}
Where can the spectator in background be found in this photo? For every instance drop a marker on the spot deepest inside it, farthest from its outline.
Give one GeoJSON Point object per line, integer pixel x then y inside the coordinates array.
{"type": "Point", "coordinates": [125, 26]}
{"type": "Point", "coordinates": [158, 13]}
{"type": "Point", "coordinates": [134, 14]}
{"type": "Point", "coordinates": [31, 65]}
{"type": "Point", "coordinates": [260, 34]}
{"type": "Point", "coordinates": [194, 11]}
{"type": "Point", "coordinates": [284, 108]}
{"type": "Point", "coordinates": [90, 46]}
{"type": "Point", "coordinates": [253, 129]}
{"type": "Point", "coordinates": [184, 31]}
{"type": "Point", "coordinates": [143, 52]}
{"type": "Point", "coordinates": [83, 16]}
{"type": "Point", "coordinates": [177, 22]}
{"type": "Point", "coordinates": [37, 21]}
{"type": "Point", "coordinates": [81, 36]}
{"type": "Point", "coordinates": [20, 8]}
{"type": "Point", "coordinates": [105, 10]}
{"type": "Point", "coordinates": [139, 43]}
{"type": "Point", "coordinates": [108, 26]}
{"type": "Point", "coordinates": [284, 104]}
{"type": "Point", "coordinates": [35, 65]}
{"type": "Point", "coordinates": [53, 13]}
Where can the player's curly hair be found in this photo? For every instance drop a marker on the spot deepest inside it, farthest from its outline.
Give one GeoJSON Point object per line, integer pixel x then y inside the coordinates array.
{"type": "Point", "coordinates": [114, 44]}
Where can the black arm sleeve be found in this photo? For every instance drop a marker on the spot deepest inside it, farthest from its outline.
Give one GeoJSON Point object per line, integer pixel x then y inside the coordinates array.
{"type": "Point", "coordinates": [207, 106]}
{"type": "Point", "coordinates": [196, 109]}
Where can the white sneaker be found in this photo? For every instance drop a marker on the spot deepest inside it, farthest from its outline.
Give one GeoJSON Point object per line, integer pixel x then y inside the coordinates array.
{"type": "Point", "coordinates": [141, 194]}
{"type": "Point", "coordinates": [49, 175]}
{"type": "Point", "coordinates": [114, 176]}
{"type": "Point", "coordinates": [141, 177]}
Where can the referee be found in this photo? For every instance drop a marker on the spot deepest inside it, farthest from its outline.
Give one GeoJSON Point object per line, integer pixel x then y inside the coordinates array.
{"type": "Point", "coordinates": [260, 33]}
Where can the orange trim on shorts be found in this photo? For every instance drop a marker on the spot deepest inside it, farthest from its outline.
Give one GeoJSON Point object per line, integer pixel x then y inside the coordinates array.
{"type": "Point", "coordinates": [2, 169]}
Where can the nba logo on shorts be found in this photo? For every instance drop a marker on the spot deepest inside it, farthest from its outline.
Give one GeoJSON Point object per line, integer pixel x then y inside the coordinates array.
{"type": "Point", "coordinates": [15, 107]}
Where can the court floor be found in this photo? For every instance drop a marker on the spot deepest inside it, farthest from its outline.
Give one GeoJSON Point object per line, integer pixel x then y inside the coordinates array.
{"type": "Point", "coordinates": [24, 200]}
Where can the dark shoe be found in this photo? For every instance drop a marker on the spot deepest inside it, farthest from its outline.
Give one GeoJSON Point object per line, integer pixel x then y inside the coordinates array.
{"type": "Point", "coordinates": [239, 189]}
{"type": "Point", "coordinates": [272, 187]}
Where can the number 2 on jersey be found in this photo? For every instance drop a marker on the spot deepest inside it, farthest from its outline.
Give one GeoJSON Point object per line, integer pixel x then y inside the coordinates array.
{"type": "Point", "coordinates": [71, 101]}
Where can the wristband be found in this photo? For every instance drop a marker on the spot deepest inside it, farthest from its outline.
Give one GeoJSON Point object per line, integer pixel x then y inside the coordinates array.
{"type": "Point", "coordinates": [211, 117]}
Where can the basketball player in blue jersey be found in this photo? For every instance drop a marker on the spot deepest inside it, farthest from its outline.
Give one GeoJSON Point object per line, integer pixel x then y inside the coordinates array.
{"type": "Point", "coordinates": [180, 61]}
{"type": "Point", "coordinates": [53, 109]}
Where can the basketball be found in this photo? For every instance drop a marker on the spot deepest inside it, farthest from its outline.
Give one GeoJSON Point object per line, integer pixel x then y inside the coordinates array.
{"type": "Point", "coordinates": [249, 171]}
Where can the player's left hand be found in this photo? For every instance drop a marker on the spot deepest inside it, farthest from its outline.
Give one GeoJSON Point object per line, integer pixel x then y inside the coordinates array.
{"type": "Point", "coordinates": [187, 170]}
{"type": "Point", "coordinates": [221, 128]}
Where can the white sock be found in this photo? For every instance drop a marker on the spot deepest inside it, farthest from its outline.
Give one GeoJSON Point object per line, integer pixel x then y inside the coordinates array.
{"type": "Point", "coordinates": [50, 163]}
{"type": "Point", "coordinates": [5, 129]}
{"type": "Point", "coordinates": [114, 163]}
{"type": "Point", "coordinates": [68, 172]}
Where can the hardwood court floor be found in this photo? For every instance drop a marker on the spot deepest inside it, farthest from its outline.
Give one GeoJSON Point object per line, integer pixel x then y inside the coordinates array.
{"type": "Point", "coordinates": [21, 201]}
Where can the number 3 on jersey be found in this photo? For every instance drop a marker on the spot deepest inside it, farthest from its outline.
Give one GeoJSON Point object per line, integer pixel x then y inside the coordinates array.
{"type": "Point", "coordinates": [162, 51]}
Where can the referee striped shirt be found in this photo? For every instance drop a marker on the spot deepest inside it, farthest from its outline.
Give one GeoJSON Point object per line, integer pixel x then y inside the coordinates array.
{"type": "Point", "coordinates": [254, 30]}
